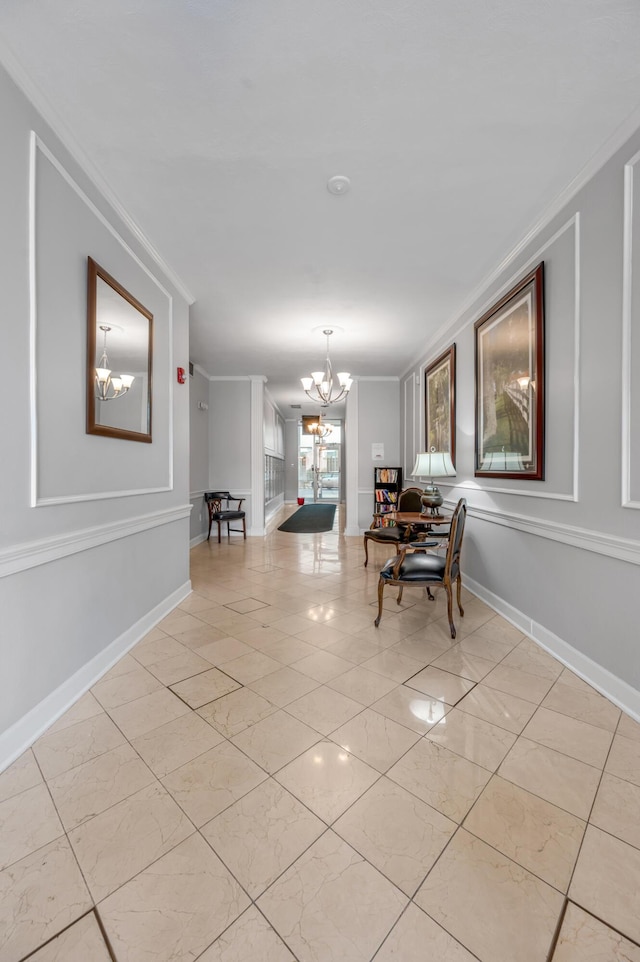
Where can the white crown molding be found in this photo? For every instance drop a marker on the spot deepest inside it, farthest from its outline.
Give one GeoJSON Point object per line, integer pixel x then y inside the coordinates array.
{"type": "Point", "coordinates": [238, 377]}
{"type": "Point", "coordinates": [20, 557]}
{"type": "Point", "coordinates": [24, 732]}
{"type": "Point", "coordinates": [615, 689]}
{"type": "Point", "coordinates": [452, 335]}
{"type": "Point", "coordinates": [627, 325]}
{"type": "Point", "coordinates": [37, 144]}
{"type": "Point", "coordinates": [51, 117]}
{"type": "Point", "coordinates": [376, 377]}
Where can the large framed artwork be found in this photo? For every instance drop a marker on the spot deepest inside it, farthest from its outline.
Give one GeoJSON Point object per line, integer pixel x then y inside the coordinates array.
{"type": "Point", "coordinates": [440, 403]}
{"type": "Point", "coordinates": [509, 342]}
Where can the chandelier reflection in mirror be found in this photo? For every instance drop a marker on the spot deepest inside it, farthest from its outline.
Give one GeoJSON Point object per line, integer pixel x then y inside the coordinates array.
{"type": "Point", "coordinates": [319, 387]}
{"type": "Point", "coordinates": [109, 388]}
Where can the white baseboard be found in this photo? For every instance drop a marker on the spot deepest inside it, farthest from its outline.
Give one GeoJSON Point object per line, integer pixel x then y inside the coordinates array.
{"type": "Point", "coordinates": [24, 732]}
{"type": "Point", "coordinates": [198, 539]}
{"type": "Point", "coordinates": [615, 689]}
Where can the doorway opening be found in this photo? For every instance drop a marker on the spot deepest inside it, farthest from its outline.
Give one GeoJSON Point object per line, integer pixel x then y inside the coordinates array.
{"type": "Point", "coordinates": [319, 465]}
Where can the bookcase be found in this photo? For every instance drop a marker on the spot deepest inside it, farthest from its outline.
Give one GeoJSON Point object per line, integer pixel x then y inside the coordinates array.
{"type": "Point", "coordinates": [387, 485]}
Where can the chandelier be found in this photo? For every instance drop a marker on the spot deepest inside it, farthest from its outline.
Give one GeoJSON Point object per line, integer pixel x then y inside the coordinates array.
{"type": "Point", "coordinates": [104, 382]}
{"type": "Point", "coordinates": [322, 382]}
{"type": "Point", "coordinates": [320, 429]}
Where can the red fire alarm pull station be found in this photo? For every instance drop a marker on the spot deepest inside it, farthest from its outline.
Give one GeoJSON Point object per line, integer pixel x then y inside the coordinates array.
{"type": "Point", "coordinates": [181, 377]}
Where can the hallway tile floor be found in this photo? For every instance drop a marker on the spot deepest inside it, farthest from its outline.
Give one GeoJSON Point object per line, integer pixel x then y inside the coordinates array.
{"type": "Point", "coordinates": [268, 777]}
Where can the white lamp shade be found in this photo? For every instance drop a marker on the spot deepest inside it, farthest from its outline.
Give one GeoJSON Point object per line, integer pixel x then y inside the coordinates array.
{"type": "Point", "coordinates": [317, 376]}
{"type": "Point", "coordinates": [127, 379]}
{"type": "Point", "coordinates": [102, 373]}
{"type": "Point", "coordinates": [433, 464]}
{"type": "Point", "coordinates": [343, 377]}
{"type": "Point", "coordinates": [306, 383]}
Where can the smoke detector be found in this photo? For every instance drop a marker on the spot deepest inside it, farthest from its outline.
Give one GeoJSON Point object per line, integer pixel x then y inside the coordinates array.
{"type": "Point", "coordinates": [338, 184]}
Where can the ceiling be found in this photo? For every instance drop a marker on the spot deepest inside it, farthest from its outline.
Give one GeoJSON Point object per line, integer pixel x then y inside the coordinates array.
{"type": "Point", "coordinates": [217, 124]}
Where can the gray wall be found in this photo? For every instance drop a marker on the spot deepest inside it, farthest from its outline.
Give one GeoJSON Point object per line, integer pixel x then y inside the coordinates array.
{"type": "Point", "coordinates": [94, 533]}
{"type": "Point", "coordinates": [560, 557]}
{"type": "Point", "coordinates": [378, 421]}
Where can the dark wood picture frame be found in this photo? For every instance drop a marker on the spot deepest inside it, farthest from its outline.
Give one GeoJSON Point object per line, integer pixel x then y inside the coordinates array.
{"type": "Point", "coordinates": [440, 403]}
{"type": "Point", "coordinates": [510, 383]}
{"type": "Point", "coordinates": [94, 426]}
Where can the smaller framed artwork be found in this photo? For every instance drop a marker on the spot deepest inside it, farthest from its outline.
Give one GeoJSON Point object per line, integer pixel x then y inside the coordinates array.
{"type": "Point", "coordinates": [440, 403]}
{"type": "Point", "coordinates": [509, 348]}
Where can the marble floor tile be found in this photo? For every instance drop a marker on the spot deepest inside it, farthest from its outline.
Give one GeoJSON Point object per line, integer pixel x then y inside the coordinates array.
{"type": "Point", "coordinates": [179, 741]}
{"type": "Point", "coordinates": [207, 785]}
{"type": "Point", "coordinates": [569, 736]}
{"type": "Point", "coordinates": [394, 665]}
{"type": "Point", "coordinates": [81, 942]}
{"type": "Point", "coordinates": [147, 652]}
{"type": "Point", "coordinates": [117, 844]}
{"type": "Point", "coordinates": [529, 657]}
{"type": "Point", "coordinates": [498, 708]}
{"type": "Point", "coordinates": [39, 897]}
{"type": "Point", "coordinates": [262, 834]}
{"type": "Point", "coordinates": [226, 649]}
{"type": "Point", "coordinates": [28, 821]}
{"type": "Point", "coordinates": [306, 906]}
{"type": "Point", "coordinates": [411, 708]}
{"type": "Point", "coordinates": [460, 662]}
{"type": "Point", "coordinates": [606, 881]}
{"type": "Point", "coordinates": [204, 635]}
{"type": "Point", "coordinates": [624, 759]}
{"type": "Point", "coordinates": [441, 684]}
{"type": "Point", "coordinates": [585, 939]}
{"type": "Point", "coordinates": [236, 711]}
{"type": "Point", "coordinates": [500, 631]}
{"type": "Point", "coordinates": [396, 832]}
{"type": "Point", "coordinates": [375, 739]}
{"type": "Point", "coordinates": [24, 774]}
{"type": "Point", "coordinates": [362, 685]}
{"type": "Point", "coordinates": [175, 908]}
{"type": "Point", "coordinates": [86, 707]}
{"type": "Point", "coordinates": [283, 686]}
{"type": "Point", "coordinates": [238, 943]}
{"type": "Point", "coordinates": [440, 778]}
{"type": "Point", "coordinates": [327, 779]}
{"type": "Point", "coordinates": [514, 914]}
{"type": "Point", "coordinates": [114, 691]}
{"type": "Point", "coordinates": [628, 727]}
{"type": "Point", "coordinates": [407, 940]}
{"type": "Point", "coordinates": [585, 705]}
{"type": "Point", "coordinates": [275, 740]}
{"type": "Point", "coordinates": [62, 750]}
{"type": "Point", "coordinates": [324, 709]}
{"type": "Point", "coordinates": [179, 667]}
{"type": "Point", "coordinates": [323, 666]}
{"type": "Point", "coordinates": [246, 604]}
{"type": "Point", "coordinates": [260, 635]}
{"type": "Point", "coordinates": [561, 780]}
{"type": "Point", "coordinates": [91, 788]}
{"type": "Point", "coordinates": [522, 684]}
{"type": "Point", "coordinates": [178, 622]}
{"type": "Point", "coordinates": [474, 739]}
{"type": "Point", "coordinates": [617, 809]}
{"type": "Point", "coordinates": [535, 834]}
{"type": "Point", "coordinates": [288, 650]}
{"type": "Point", "coordinates": [205, 687]}
{"type": "Point", "coordinates": [143, 715]}
{"type": "Point", "coordinates": [416, 647]}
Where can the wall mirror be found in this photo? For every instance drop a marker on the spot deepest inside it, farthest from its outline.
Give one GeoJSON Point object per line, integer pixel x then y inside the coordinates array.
{"type": "Point", "coordinates": [119, 355]}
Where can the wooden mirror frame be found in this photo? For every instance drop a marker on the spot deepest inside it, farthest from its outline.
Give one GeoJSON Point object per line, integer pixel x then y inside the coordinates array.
{"type": "Point", "coordinates": [94, 271]}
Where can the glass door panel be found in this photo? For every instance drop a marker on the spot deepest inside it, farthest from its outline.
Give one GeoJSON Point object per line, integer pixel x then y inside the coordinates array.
{"type": "Point", "coordinates": [319, 459]}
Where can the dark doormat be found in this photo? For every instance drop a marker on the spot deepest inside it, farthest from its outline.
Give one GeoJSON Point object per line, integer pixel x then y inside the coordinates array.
{"type": "Point", "coordinates": [310, 518]}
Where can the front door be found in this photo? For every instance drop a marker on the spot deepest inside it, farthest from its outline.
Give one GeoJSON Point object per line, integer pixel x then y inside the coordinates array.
{"type": "Point", "coordinates": [319, 474]}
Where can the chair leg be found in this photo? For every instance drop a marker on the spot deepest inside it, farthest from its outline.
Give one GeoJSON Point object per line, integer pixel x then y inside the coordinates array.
{"type": "Point", "coordinates": [366, 552]}
{"type": "Point", "coordinates": [399, 598]}
{"type": "Point", "coordinates": [244, 528]}
{"type": "Point", "coordinates": [218, 532]}
{"type": "Point", "coordinates": [210, 523]}
{"type": "Point", "coordinates": [430, 595]}
{"type": "Point", "coordinates": [461, 609]}
{"type": "Point", "coordinates": [450, 610]}
{"type": "Point", "coordinates": [380, 593]}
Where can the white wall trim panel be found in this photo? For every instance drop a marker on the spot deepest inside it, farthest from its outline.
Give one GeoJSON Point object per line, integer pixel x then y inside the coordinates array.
{"type": "Point", "coordinates": [44, 107]}
{"type": "Point", "coordinates": [36, 144]}
{"type": "Point", "coordinates": [627, 317]}
{"type": "Point", "coordinates": [456, 331]}
{"type": "Point", "coordinates": [615, 689]}
{"type": "Point", "coordinates": [33, 553]}
{"type": "Point", "coordinates": [409, 400]}
{"type": "Point", "coordinates": [612, 546]}
{"type": "Point", "coordinates": [351, 432]}
{"type": "Point", "coordinates": [20, 736]}
{"type": "Point", "coordinates": [257, 455]}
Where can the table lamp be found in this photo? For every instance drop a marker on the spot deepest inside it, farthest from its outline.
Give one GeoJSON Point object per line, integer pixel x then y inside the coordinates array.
{"type": "Point", "coordinates": [433, 464]}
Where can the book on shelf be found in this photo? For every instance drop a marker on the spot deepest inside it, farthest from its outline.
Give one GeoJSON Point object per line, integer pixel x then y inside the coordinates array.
{"type": "Point", "coordinates": [384, 496]}
{"type": "Point", "coordinates": [386, 475]}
